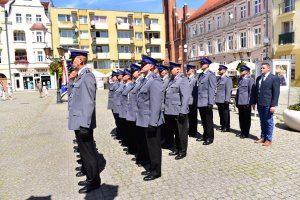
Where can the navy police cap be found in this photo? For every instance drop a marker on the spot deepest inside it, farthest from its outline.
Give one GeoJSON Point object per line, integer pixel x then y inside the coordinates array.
{"type": "Point", "coordinates": [134, 67]}
{"type": "Point", "coordinates": [77, 52]}
{"type": "Point", "coordinates": [120, 72]}
{"type": "Point", "coordinates": [244, 67]}
{"type": "Point", "coordinates": [127, 72]}
{"type": "Point", "coordinates": [222, 67]}
{"type": "Point", "coordinates": [148, 60]}
{"type": "Point", "coordinates": [190, 66]}
{"type": "Point", "coordinates": [113, 73]}
{"type": "Point", "coordinates": [173, 65]}
{"type": "Point", "coordinates": [162, 67]}
{"type": "Point", "coordinates": [205, 61]}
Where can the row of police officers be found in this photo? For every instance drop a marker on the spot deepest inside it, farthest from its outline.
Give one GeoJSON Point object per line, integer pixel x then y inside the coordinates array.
{"type": "Point", "coordinates": [155, 106]}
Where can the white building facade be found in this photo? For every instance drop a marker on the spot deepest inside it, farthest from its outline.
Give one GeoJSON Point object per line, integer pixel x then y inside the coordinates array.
{"type": "Point", "coordinates": [29, 31]}
{"type": "Point", "coordinates": [4, 70]}
{"type": "Point", "coordinates": [232, 30]}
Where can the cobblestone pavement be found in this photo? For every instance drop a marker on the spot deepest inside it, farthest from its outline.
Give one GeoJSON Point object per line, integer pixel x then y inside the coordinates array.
{"type": "Point", "coordinates": [37, 159]}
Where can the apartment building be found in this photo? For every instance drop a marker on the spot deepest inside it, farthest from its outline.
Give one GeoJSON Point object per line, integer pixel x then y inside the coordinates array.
{"type": "Point", "coordinates": [4, 69]}
{"type": "Point", "coordinates": [115, 39]}
{"type": "Point", "coordinates": [29, 31]}
{"type": "Point", "coordinates": [286, 35]}
{"type": "Point", "coordinates": [231, 30]}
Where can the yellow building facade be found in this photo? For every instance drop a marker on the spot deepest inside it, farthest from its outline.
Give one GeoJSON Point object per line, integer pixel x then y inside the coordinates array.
{"type": "Point", "coordinates": [286, 17]}
{"type": "Point", "coordinates": [114, 39]}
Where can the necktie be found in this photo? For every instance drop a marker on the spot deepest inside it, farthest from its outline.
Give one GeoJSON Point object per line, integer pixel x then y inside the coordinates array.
{"type": "Point", "coordinates": [262, 80]}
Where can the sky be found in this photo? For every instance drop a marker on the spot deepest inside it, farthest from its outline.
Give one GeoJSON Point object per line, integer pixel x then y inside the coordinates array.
{"type": "Point", "coordinates": [124, 5]}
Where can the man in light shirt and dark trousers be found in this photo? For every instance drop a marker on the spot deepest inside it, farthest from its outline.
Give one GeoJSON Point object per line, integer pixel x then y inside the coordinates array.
{"type": "Point", "coordinates": [267, 94]}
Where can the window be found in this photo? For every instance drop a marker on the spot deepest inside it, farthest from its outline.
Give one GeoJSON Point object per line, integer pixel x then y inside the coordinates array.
{"type": "Point", "coordinates": [125, 20]}
{"type": "Point", "coordinates": [138, 21]}
{"type": "Point", "coordinates": [193, 51]}
{"type": "Point", "coordinates": [230, 16]}
{"type": "Point", "coordinates": [257, 36]}
{"type": "Point", "coordinates": [243, 39]}
{"type": "Point", "coordinates": [230, 42]}
{"type": "Point", "coordinates": [201, 47]}
{"type": "Point", "coordinates": [154, 49]}
{"type": "Point", "coordinates": [82, 19]}
{"type": "Point", "coordinates": [102, 49]}
{"type": "Point", "coordinates": [219, 45]}
{"type": "Point", "coordinates": [219, 21]}
{"type": "Point", "coordinates": [39, 37]}
{"type": "Point", "coordinates": [153, 21]}
{"type": "Point", "coordinates": [257, 6]}
{"type": "Point", "coordinates": [38, 18]}
{"type": "Point", "coordinates": [18, 18]}
{"type": "Point", "coordinates": [288, 5]}
{"type": "Point", "coordinates": [19, 36]}
{"type": "Point", "coordinates": [40, 56]}
{"type": "Point", "coordinates": [201, 28]}
{"type": "Point", "coordinates": [84, 34]}
{"type": "Point", "coordinates": [209, 47]}
{"type": "Point", "coordinates": [125, 49]}
{"type": "Point", "coordinates": [139, 50]}
{"type": "Point", "coordinates": [100, 34]}
{"type": "Point", "coordinates": [99, 19]}
{"type": "Point", "coordinates": [20, 55]}
{"type": "Point", "coordinates": [243, 11]}
{"type": "Point", "coordinates": [148, 36]}
{"type": "Point", "coordinates": [194, 31]}
{"type": "Point", "coordinates": [124, 34]}
{"type": "Point", "coordinates": [288, 27]}
{"type": "Point", "coordinates": [208, 25]}
{"type": "Point", "coordinates": [64, 18]}
{"type": "Point", "coordinates": [138, 35]}
{"type": "Point", "coordinates": [123, 63]}
{"type": "Point", "coordinates": [102, 64]}
{"type": "Point", "coordinates": [67, 33]}
{"type": "Point", "coordinates": [28, 18]}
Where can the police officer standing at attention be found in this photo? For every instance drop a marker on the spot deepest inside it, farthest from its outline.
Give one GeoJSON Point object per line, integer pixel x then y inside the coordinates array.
{"type": "Point", "coordinates": [112, 89]}
{"type": "Point", "coordinates": [223, 95]}
{"type": "Point", "coordinates": [176, 110]}
{"type": "Point", "coordinates": [245, 97]}
{"type": "Point", "coordinates": [149, 115]}
{"type": "Point", "coordinates": [207, 84]}
{"type": "Point", "coordinates": [82, 118]}
{"type": "Point", "coordinates": [193, 121]}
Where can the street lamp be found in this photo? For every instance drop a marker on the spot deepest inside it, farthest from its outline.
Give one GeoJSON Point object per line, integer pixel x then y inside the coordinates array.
{"type": "Point", "coordinates": [48, 51]}
{"type": "Point", "coordinates": [185, 50]}
{"type": "Point", "coordinates": [148, 52]}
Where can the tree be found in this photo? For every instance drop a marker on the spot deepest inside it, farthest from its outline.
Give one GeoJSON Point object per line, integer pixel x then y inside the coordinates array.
{"type": "Point", "coordinates": [55, 67]}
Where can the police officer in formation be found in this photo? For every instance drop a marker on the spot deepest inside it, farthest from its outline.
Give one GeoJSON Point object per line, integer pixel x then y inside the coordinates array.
{"type": "Point", "coordinates": [223, 95]}
{"type": "Point", "coordinates": [192, 116]}
{"type": "Point", "coordinates": [207, 84]}
{"type": "Point", "coordinates": [245, 98]}
{"type": "Point", "coordinates": [176, 109]}
{"type": "Point", "coordinates": [160, 110]}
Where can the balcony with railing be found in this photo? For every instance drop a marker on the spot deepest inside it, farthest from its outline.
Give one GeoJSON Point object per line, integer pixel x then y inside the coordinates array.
{"type": "Point", "coordinates": [285, 7]}
{"type": "Point", "coordinates": [21, 59]}
{"type": "Point", "coordinates": [286, 38]}
{"type": "Point", "coordinates": [100, 40]}
{"type": "Point", "coordinates": [103, 55]}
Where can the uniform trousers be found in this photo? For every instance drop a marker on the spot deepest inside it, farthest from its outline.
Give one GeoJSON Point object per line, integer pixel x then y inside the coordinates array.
{"type": "Point", "coordinates": [180, 129]}
{"type": "Point", "coordinates": [154, 148]}
{"type": "Point", "coordinates": [124, 131]}
{"type": "Point", "coordinates": [82, 165]}
{"type": "Point", "coordinates": [168, 136]}
{"type": "Point", "coordinates": [89, 155]}
{"type": "Point", "coordinates": [142, 154]}
{"type": "Point", "coordinates": [244, 119]}
{"type": "Point", "coordinates": [206, 115]}
{"type": "Point", "coordinates": [224, 114]}
{"type": "Point", "coordinates": [131, 136]}
{"type": "Point", "coordinates": [117, 122]}
{"type": "Point", "coordinates": [193, 121]}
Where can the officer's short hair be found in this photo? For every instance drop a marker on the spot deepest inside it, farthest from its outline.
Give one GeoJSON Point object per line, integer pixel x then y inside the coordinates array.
{"type": "Point", "coordinates": [266, 64]}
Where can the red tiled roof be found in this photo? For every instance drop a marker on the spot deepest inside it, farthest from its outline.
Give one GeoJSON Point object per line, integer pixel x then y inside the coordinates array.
{"type": "Point", "coordinates": [38, 26]}
{"type": "Point", "coordinates": [45, 4]}
{"type": "Point", "coordinates": [180, 12]}
{"type": "Point", "coordinates": [3, 2]}
{"type": "Point", "coordinates": [207, 7]}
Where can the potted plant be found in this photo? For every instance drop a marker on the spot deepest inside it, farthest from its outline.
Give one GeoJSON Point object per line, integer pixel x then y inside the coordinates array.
{"type": "Point", "coordinates": [291, 117]}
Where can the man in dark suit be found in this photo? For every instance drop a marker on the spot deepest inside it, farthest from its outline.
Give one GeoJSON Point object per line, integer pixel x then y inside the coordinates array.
{"type": "Point", "coordinates": [82, 118]}
{"type": "Point", "coordinates": [207, 84]}
{"type": "Point", "coordinates": [267, 94]}
{"type": "Point", "coordinates": [223, 95]}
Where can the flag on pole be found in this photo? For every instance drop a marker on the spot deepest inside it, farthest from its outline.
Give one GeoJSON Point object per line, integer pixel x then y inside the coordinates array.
{"type": "Point", "coordinates": [65, 80]}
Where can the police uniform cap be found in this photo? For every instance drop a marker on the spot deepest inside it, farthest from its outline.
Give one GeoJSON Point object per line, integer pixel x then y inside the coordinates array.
{"type": "Point", "coordinates": [205, 61]}
{"type": "Point", "coordinates": [148, 60]}
{"type": "Point", "coordinates": [134, 67]}
{"type": "Point", "coordinates": [222, 67]}
{"type": "Point", "coordinates": [244, 67]}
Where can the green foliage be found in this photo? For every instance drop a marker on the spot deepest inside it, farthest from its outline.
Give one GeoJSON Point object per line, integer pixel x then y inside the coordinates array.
{"type": "Point", "coordinates": [295, 107]}
{"type": "Point", "coordinates": [56, 67]}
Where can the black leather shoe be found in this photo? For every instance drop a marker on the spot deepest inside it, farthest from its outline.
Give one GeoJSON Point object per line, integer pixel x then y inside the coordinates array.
{"type": "Point", "coordinates": [207, 142]}
{"type": "Point", "coordinates": [238, 135]}
{"type": "Point", "coordinates": [120, 142]}
{"type": "Point", "coordinates": [125, 149]}
{"type": "Point", "coordinates": [79, 161]}
{"type": "Point", "coordinates": [145, 173]}
{"type": "Point", "coordinates": [192, 135]}
{"type": "Point", "coordinates": [173, 153]}
{"type": "Point", "coordinates": [220, 128]}
{"type": "Point", "coordinates": [133, 159]}
{"type": "Point", "coordinates": [74, 141]}
{"type": "Point", "coordinates": [82, 183]}
{"type": "Point", "coordinates": [79, 174]}
{"type": "Point", "coordinates": [88, 188]}
{"type": "Point", "coordinates": [244, 136]}
{"type": "Point", "coordinates": [78, 156]}
{"type": "Point", "coordinates": [78, 168]}
{"type": "Point", "coordinates": [75, 147]}
{"type": "Point", "coordinates": [150, 177]}
{"type": "Point", "coordinates": [200, 139]}
{"type": "Point", "coordinates": [180, 156]}
{"type": "Point", "coordinates": [76, 150]}
{"type": "Point", "coordinates": [225, 130]}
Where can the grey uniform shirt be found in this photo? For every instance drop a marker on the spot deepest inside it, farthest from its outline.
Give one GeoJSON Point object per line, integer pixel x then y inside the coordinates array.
{"type": "Point", "coordinates": [246, 91]}
{"type": "Point", "coordinates": [224, 89]}
{"type": "Point", "coordinates": [207, 84]}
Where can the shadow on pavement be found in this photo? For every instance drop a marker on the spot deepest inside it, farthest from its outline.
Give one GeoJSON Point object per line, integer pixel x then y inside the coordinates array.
{"type": "Point", "coordinates": [284, 127]}
{"type": "Point", "coordinates": [40, 198]}
{"type": "Point", "coordinates": [107, 192]}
